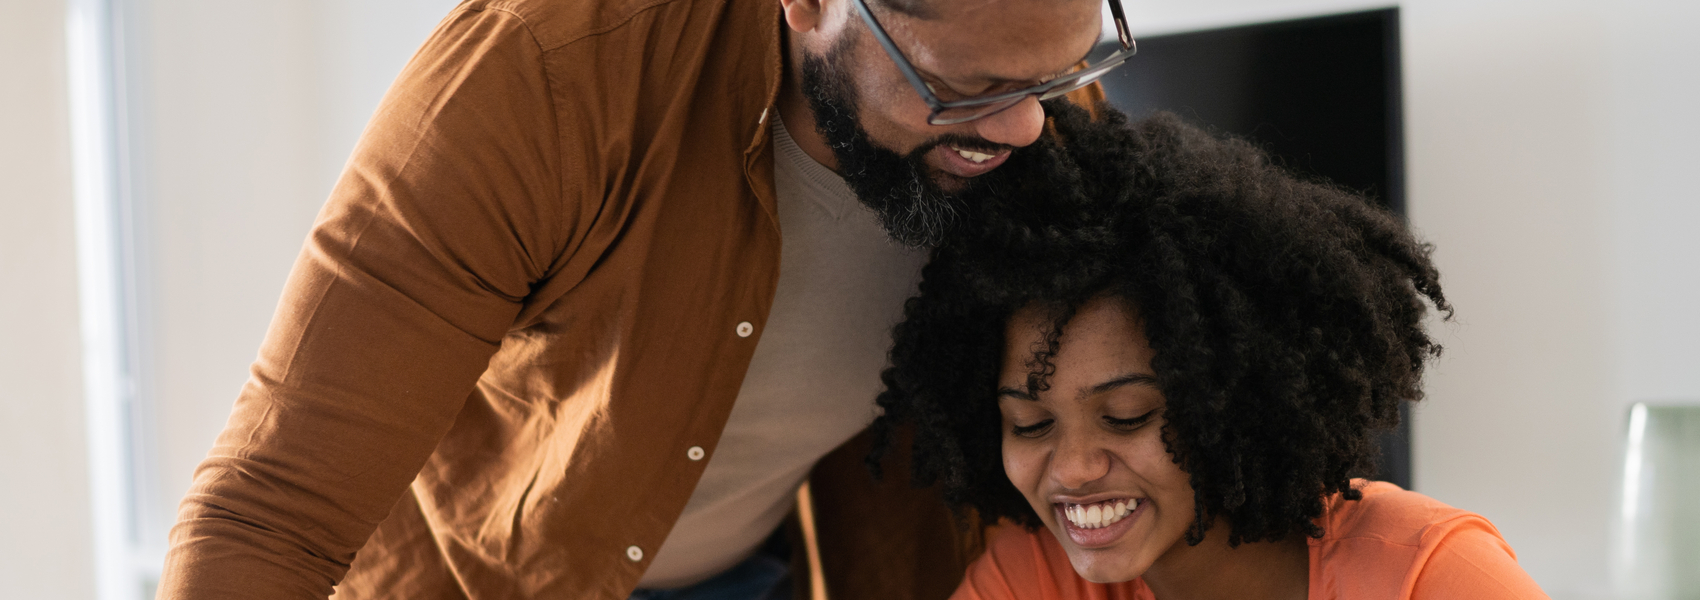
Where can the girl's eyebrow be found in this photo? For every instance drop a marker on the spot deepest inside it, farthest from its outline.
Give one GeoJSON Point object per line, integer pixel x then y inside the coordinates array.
{"type": "Point", "coordinates": [1146, 379]}
{"type": "Point", "coordinates": [1016, 394]}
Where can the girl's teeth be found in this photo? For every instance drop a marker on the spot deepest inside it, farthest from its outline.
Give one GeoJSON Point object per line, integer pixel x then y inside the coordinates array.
{"type": "Point", "coordinates": [1098, 515]}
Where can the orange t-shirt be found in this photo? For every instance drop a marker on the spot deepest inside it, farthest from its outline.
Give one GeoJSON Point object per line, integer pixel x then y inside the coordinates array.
{"type": "Point", "coordinates": [1392, 545]}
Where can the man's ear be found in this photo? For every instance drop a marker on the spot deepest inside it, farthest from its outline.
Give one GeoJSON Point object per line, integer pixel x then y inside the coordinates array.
{"type": "Point", "coordinates": [803, 15]}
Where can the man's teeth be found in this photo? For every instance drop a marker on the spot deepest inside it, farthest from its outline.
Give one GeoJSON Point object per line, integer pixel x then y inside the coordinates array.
{"type": "Point", "coordinates": [972, 155]}
{"type": "Point", "coordinates": [1102, 514]}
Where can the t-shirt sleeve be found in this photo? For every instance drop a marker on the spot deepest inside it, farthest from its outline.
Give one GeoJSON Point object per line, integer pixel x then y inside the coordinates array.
{"type": "Point", "coordinates": [412, 275]}
{"type": "Point", "coordinates": [1473, 561]}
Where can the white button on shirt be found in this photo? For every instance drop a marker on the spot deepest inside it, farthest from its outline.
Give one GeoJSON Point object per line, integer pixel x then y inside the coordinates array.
{"type": "Point", "coordinates": [695, 453]}
{"type": "Point", "coordinates": [635, 553]}
{"type": "Point", "coordinates": [745, 329]}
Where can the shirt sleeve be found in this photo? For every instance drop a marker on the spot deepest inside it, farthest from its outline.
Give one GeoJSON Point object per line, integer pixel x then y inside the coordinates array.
{"type": "Point", "coordinates": [412, 274]}
{"type": "Point", "coordinates": [1473, 561]}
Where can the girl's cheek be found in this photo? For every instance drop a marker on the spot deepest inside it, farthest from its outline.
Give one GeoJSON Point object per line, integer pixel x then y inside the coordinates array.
{"type": "Point", "coordinates": [1024, 466]}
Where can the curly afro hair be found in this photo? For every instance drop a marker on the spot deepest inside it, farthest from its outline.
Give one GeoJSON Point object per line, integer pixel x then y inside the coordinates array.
{"type": "Point", "coordinates": [1286, 316]}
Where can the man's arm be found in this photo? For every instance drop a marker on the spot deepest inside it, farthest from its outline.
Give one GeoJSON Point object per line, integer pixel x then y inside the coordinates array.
{"type": "Point", "coordinates": [448, 212]}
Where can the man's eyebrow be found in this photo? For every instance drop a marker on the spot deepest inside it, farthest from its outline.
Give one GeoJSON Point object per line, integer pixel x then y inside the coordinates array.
{"type": "Point", "coordinates": [1125, 380]}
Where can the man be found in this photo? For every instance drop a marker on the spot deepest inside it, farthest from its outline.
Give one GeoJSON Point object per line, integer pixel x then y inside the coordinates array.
{"type": "Point", "coordinates": [544, 339]}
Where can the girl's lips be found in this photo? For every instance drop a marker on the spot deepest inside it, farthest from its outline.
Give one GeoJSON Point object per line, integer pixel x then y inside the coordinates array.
{"type": "Point", "coordinates": [1102, 536]}
{"type": "Point", "coordinates": [950, 161]}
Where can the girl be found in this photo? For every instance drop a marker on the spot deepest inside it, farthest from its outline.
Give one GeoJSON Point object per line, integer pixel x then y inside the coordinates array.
{"type": "Point", "coordinates": [1161, 368]}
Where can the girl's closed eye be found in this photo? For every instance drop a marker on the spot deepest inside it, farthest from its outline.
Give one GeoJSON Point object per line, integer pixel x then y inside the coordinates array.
{"type": "Point", "coordinates": [1132, 423]}
{"type": "Point", "coordinates": [1033, 430]}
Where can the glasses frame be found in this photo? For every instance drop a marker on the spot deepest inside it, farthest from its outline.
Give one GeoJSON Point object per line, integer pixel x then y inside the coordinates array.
{"type": "Point", "coordinates": [1045, 91]}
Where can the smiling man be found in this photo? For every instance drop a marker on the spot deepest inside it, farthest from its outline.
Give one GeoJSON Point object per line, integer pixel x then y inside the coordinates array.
{"type": "Point", "coordinates": [976, 97]}
{"type": "Point", "coordinates": [604, 283]}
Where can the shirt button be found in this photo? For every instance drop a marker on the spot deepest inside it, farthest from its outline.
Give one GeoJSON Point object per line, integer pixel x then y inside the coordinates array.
{"type": "Point", "coordinates": [745, 329]}
{"type": "Point", "coordinates": [635, 553]}
{"type": "Point", "coordinates": [695, 453]}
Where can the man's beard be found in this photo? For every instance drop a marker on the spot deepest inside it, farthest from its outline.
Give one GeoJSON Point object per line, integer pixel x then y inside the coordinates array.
{"type": "Point", "coordinates": [912, 207]}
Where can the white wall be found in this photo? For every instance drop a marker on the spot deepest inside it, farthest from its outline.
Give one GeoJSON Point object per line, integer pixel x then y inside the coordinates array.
{"type": "Point", "coordinates": [1654, 146]}
{"type": "Point", "coordinates": [248, 110]}
{"type": "Point", "coordinates": [1549, 148]}
{"type": "Point", "coordinates": [1508, 177]}
{"type": "Point", "coordinates": [46, 542]}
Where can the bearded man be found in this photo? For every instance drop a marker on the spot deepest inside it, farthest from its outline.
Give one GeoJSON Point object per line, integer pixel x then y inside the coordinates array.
{"type": "Point", "coordinates": [545, 341]}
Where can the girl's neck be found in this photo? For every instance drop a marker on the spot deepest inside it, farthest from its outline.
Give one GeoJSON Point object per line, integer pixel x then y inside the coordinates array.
{"type": "Point", "coordinates": [1212, 570]}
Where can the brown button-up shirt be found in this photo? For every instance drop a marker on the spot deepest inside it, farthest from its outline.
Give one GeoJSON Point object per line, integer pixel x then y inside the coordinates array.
{"type": "Point", "coordinates": [535, 289]}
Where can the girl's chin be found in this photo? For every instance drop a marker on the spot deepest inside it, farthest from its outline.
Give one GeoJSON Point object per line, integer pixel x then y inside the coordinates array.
{"type": "Point", "coordinates": [1104, 566]}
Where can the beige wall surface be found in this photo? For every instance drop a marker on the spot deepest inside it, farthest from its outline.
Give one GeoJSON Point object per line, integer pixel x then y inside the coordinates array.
{"type": "Point", "coordinates": [45, 537]}
{"type": "Point", "coordinates": [228, 127]}
{"type": "Point", "coordinates": [246, 111]}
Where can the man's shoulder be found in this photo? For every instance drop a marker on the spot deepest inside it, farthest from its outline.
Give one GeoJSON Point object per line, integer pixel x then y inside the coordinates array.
{"type": "Point", "coordinates": [556, 23]}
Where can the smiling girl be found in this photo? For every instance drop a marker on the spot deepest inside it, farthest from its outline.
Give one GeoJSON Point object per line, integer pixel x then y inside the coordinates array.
{"type": "Point", "coordinates": [1162, 368]}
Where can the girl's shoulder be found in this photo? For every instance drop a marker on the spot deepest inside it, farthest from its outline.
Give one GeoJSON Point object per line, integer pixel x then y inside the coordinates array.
{"type": "Point", "coordinates": [1398, 544]}
{"type": "Point", "coordinates": [1390, 514]}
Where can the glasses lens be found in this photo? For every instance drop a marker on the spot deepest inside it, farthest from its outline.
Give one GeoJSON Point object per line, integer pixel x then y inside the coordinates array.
{"type": "Point", "coordinates": [1062, 85]}
{"type": "Point", "coordinates": [963, 114]}
{"type": "Point", "coordinates": [1075, 81]}
{"type": "Point", "coordinates": [1070, 86]}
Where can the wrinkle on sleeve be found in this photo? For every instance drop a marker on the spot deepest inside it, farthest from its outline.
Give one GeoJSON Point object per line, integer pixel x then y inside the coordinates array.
{"type": "Point", "coordinates": [446, 216]}
{"type": "Point", "coordinates": [1473, 561]}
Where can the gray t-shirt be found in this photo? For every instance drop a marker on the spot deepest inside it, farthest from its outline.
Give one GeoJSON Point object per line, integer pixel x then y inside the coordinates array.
{"type": "Point", "coordinates": [812, 381]}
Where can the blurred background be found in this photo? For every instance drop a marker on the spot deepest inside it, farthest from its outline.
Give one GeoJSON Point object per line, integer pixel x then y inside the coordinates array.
{"type": "Point", "coordinates": [162, 160]}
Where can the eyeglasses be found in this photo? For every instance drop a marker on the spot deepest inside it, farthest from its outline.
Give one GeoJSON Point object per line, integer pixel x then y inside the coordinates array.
{"type": "Point", "coordinates": [962, 111]}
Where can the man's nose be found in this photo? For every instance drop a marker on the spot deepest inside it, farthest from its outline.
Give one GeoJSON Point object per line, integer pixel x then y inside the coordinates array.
{"type": "Point", "coordinates": [1016, 126]}
{"type": "Point", "coordinates": [1078, 463]}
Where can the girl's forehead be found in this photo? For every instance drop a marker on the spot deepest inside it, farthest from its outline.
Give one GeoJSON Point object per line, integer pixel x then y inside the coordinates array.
{"type": "Point", "coordinates": [1104, 338]}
